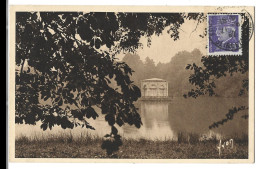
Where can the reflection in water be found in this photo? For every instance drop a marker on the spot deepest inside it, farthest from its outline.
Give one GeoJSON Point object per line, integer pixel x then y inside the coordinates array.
{"type": "Point", "coordinates": [155, 122]}
{"type": "Point", "coordinates": [164, 120]}
{"type": "Point", "coordinates": [154, 112]}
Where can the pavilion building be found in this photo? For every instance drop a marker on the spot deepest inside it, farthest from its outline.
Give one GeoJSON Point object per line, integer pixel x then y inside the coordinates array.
{"type": "Point", "coordinates": [154, 88]}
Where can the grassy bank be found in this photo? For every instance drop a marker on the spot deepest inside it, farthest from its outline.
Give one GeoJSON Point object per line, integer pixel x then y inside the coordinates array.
{"type": "Point", "coordinates": [66, 146]}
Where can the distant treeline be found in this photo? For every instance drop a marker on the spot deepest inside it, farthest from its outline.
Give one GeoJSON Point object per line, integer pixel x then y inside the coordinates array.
{"type": "Point", "coordinates": [176, 74]}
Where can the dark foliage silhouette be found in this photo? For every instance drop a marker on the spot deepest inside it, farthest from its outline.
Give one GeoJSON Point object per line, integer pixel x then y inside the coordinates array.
{"type": "Point", "coordinates": [63, 75]}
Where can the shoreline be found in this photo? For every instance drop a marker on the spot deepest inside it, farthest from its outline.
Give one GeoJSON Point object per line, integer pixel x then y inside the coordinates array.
{"type": "Point", "coordinates": [90, 147]}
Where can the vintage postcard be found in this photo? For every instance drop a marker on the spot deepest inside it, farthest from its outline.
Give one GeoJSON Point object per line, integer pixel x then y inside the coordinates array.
{"type": "Point", "coordinates": [131, 84]}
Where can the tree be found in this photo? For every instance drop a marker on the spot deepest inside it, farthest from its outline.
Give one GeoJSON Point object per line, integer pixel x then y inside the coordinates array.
{"type": "Point", "coordinates": [134, 61]}
{"type": "Point", "coordinates": [150, 68]}
{"type": "Point", "coordinates": [69, 69]}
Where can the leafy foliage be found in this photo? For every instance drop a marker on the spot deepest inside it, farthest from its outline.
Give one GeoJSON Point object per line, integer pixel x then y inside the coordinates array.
{"type": "Point", "coordinates": [229, 116]}
{"type": "Point", "coordinates": [63, 73]}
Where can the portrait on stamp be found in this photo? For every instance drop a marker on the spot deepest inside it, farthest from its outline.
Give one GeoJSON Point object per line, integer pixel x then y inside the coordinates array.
{"type": "Point", "coordinates": [224, 33]}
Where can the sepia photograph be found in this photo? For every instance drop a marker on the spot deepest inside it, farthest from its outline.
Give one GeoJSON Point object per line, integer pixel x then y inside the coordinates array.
{"type": "Point", "coordinates": [131, 83]}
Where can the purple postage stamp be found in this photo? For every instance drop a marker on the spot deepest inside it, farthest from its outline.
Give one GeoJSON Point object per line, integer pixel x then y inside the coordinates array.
{"type": "Point", "coordinates": [224, 34]}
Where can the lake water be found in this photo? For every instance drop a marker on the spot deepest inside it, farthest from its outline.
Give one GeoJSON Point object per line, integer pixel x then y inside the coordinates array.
{"type": "Point", "coordinates": [164, 120]}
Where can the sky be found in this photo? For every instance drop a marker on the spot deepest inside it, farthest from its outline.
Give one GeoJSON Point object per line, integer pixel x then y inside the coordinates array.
{"type": "Point", "coordinates": [163, 47]}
